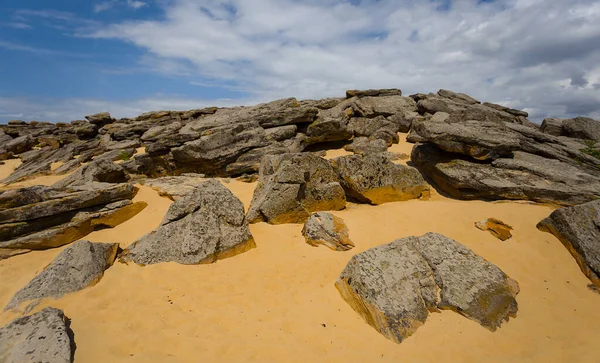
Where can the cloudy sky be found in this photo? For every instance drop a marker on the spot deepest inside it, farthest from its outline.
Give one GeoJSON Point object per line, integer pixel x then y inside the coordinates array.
{"type": "Point", "coordinates": [63, 59]}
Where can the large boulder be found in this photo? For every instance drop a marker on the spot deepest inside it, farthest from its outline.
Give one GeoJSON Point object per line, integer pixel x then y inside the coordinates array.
{"type": "Point", "coordinates": [101, 170]}
{"type": "Point", "coordinates": [578, 228]}
{"type": "Point", "coordinates": [366, 145]}
{"type": "Point", "coordinates": [45, 336]}
{"type": "Point", "coordinates": [324, 228]}
{"type": "Point", "coordinates": [395, 286]}
{"type": "Point", "coordinates": [374, 179]}
{"type": "Point", "coordinates": [175, 187]}
{"type": "Point", "coordinates": [291, 186]}
{"type": "Point", "coordinates": [202, 227]}
{"type": "Point", "coordinates": [78, 266]}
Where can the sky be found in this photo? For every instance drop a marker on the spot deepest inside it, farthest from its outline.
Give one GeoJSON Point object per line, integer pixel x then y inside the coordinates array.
{"type": "Point", "coordinates": [63, 59]}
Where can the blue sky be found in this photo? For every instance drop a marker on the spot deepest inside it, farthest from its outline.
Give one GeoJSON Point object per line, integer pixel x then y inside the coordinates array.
{"type": "Point", "coordinates": [63, 59]}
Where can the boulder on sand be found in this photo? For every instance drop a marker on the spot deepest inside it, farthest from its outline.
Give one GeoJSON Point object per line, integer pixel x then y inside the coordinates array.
{"type": "Point", "coordinates": [374, 179]}
{"type": "Point", "coordinates": [395, 286]}
{"type": "Point", "coordinates": [578, 228]}
{"type": "Point", "coordinates": [202, 227]}
{"type": "Point", "coordinates": [291, 186]}
{"type": "Point", "coordinates": [78, 266]}
{"type": "Point", "coordinates": [326, 229]}
{"type": "Point", "coordinates": [45, 336]}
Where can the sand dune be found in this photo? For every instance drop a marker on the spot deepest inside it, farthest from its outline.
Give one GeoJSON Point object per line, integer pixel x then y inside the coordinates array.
{"type": "Point", "coordinates": [278, 303]}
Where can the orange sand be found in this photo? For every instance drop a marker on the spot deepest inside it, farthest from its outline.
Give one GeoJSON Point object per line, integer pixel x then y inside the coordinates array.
{"type": "Point", "coordinates": [278, 303]}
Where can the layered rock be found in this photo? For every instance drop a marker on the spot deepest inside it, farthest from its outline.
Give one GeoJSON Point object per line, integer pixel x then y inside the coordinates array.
{"type": "Point", "coordinates": [578, 228]}
{"type": "Point", "coordinates": [374, 179]}
{"type": "Point", "coordinates": [175, 187]}
{"type": "Point", "coordinates": [326, 229]}
{"type": "Point", "coordinates": [394, 287]}
{"type": "Point", "coordinates": [45, 336]}
{"type": "Point", "coordinates": [202, 227]}
{"type": "Point", "coordinates": [292, 186]}
{"type": "Point", "coordinates": [77, 267]}
{"type": "Point", "coordinates": [38, 218]}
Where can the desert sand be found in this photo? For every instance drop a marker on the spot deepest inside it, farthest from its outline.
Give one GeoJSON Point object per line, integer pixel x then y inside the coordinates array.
{"type": "Point", "coordinates": [278, 303]}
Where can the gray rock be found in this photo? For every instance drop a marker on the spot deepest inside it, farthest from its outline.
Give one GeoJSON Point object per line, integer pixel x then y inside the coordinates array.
{"type": "Point", "coordinates": [202, 227]}
{"type": "Point", "coordinates": [366, 145]}
{"type": "Point", "coordinates": [77, 267]}
{"type": "Point", "coordinates": [249, 162]}
{"type": "Point", "coordinates": [100, 118]}
{"type": "Point", "coordinates": [582, 128]}
{"type": "Point", "coordinates": [125, 144]}
{"type": "Point", "coordinates": [374, 179]}
{"type": "Point", "coordinates": [326, 229]}
{"type": "Point", "coordinates": [552, 126]}
{"type": "Point", "coordinates": [45, 336]}
{"type": "Point", "coordinates": [373, 92]}
{"type": "Point", "coordinates": [175, 187]}
{"type": "Point", "coordinates": [20, 144]}
{"type": "Point", "coordinates": [291, 186]}
{"type": "Point", "coordinates": [383, 106]}
{"type": "Point", "coordinates": [459, 97]}
{"type": "Point", "coordinates": [578, 228]}
{"type": "Point", "coordinates": [102, 171]}
{"type": "Point", "coordinates": [395, 286]}
{"type": "Point", "coordinates": [377, 128]}
{"type": "Point", "coordinates": [281, 133]}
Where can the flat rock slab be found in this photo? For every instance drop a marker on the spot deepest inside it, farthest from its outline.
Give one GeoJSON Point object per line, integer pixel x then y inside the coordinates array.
{"type": "Point", "coordinates": [395, 286]}
{"type": "Point", "coordinates": [202, 227]}
{"type": "Point", "coordinates": [41, 337]}
{"type": "Point", "coordinates": [578, 228]}
{"type": "Point", "coordinates": [496, 227]}
{"type": "Point", "coordinates": [324, 228]}
{"type": "Point", "coordinates": [175, 187]}
{"type": "Point", "coordinates": [78, 266]}
{"type": "Point", "coordinates": [291, 186]}
{"type": "Point", "coordinates": [375, 179]}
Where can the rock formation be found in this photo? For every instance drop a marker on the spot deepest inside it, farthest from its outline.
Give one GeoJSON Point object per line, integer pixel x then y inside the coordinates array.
{"type": "Point", "coordinates": [78, 266]}
{"type": "Point", "coordinates": [291, 186]}
{"type": "Point", "coordinates": [42, 337]}
{"type": "Point", "coordinates": [326, 229]}
{"type": "Point", "coordinates": [395, 286]}
{"type": "Point", "coordinates": [202, 227]}
{"type": "Point", "coordinates": [578, 228]}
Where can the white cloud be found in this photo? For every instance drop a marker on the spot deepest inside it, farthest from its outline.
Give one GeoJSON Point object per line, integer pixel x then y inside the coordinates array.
{"type": "Point", "coordinates": [135, 4]}
{"type": "Point", "coordinates": [104, 5]}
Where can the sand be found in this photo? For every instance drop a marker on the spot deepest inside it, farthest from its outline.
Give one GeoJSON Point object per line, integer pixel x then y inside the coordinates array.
{"type": "Point", "coordinates": [278, 303]}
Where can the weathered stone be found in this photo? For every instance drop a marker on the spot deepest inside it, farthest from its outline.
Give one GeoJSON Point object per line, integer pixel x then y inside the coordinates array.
{"type": "Point", "coordinates": [20, 144]}
{"type": "Point", "coordinates": [281, 133]}
{"type": "Point", "coordinates": [73, 199]}
{"type": "Point", "coordinates": [552, 126]}
{"type": "Point", "coordinates": [582, 128]}
{"type": "Point", "coordinates": [45, 336]}
{"type": "Point", "coordinates": [373, 92]}
{"type": "Point", "coordinates": [496, 227]}
{"type": "Point", "coordinates": [249, 162]}
{"type": "Point", "coordinates": [175, 187]}
{"type": "Point", "coordinates": [101, 170]}
{"type": "Point", "coordinates": [578, 228]}
{"type": "Point", "coordinates": [366, 145]}
{"type": "Point", "coordinates": [374, 179]}
{"type": "Point", "coordinates": [383, 106]}
{"type": "Point", "coordinates": [395, 286]}
{"type": "Point", "coordinates": [78, 266]}
{"type": "Point", "coordinates": [202, 227]}
{"type": "Point", "coordinates": [101, 118]}
{"type": "Point", "coordinates": [326, 229]}
{"type": "Point", "coordinates": [459, 97]}
{"type": "Point", "coordinates": [291, 186]}
{"type": "Point", "coordinates": [126, 144]}
{"type": "Point", "coordinates": [377, 128]}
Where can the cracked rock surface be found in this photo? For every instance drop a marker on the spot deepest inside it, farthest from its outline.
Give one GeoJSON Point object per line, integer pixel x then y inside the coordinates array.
{"type": "Point", "coordinates": [395, 286]}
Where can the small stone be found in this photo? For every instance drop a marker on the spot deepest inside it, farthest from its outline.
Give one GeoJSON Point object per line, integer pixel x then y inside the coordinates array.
{"type": "Point", "coordinates": [326, 229]}
{"type": "Point", "coordinates": [496, 227]}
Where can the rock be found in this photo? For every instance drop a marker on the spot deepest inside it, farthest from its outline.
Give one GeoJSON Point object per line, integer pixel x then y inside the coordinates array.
{"type": "Point", "coordinates": [374, 179]}
{"type": "Point", "coordinates": [202, 227]}
{"type": "Point", "coordinates": [496, 227]}
{"type": "Point", "coordinates": [506, 109]}
{"type": "Point", "coordinates": [198, 112]}
{"type": "Point", "coordinates": [377, 128]}
{"type": "Point", "coordinates": [175, 187]}
{"type": "Point", "coordinates": [373, 93]}
{"type": "Point", "coordinates": [218, 147]}
{"type": "Point", "coordinates": [60, 230]}
{"type": "Point", "coordinates": [433, 106]}
{"type": "Point", "coordinates": [20, 144]}
{"type": "Point", "coordinates": [78, 266]}
{"type": "Point", "coordinates": [552, 126]}
{"type": "Point", "coordinates": [366, 145]}
{"type": "Point", "coordinates": [281, 133]}
{"type": "Point", "coordinates": [56, 202]}
{"type": "Point", "coordinates": [578, 228]}
{"type": "Point", "coordinates": [157, 132]}
{"type": "Point", "coordinates": [86, 130]}
{"type": "Point", "coordinates": [583, 128]}
{"type": "Point", "coordinates": [250, 161]}
{"type": "Point", "coordinates": [291, 186]}
{"type": "Point", "coordinates": [383, 106]}
{"type": "Point", "coordinates": [102, 171]}
{"type": "Point", "coordinates": [45, 336]}
{"type": "Point", "coordinates": [17, 123]}
{"type": "Point", "coordinates": [459, 97]}
{"type": "Point", "coordinates": [126, 144]}
{"type": "Point", "coordinates": [102, 118]}
{"type": "Point", "coordinates": [326, 229]}
{"type": "Point", "coordinates": [395, 286]}
{"type": "Point", "coordinates": [524, 177]}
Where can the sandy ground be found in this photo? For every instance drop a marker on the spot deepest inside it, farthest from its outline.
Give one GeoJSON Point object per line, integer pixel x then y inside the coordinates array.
{"type": "Point", "coordinates": [278, 303]}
